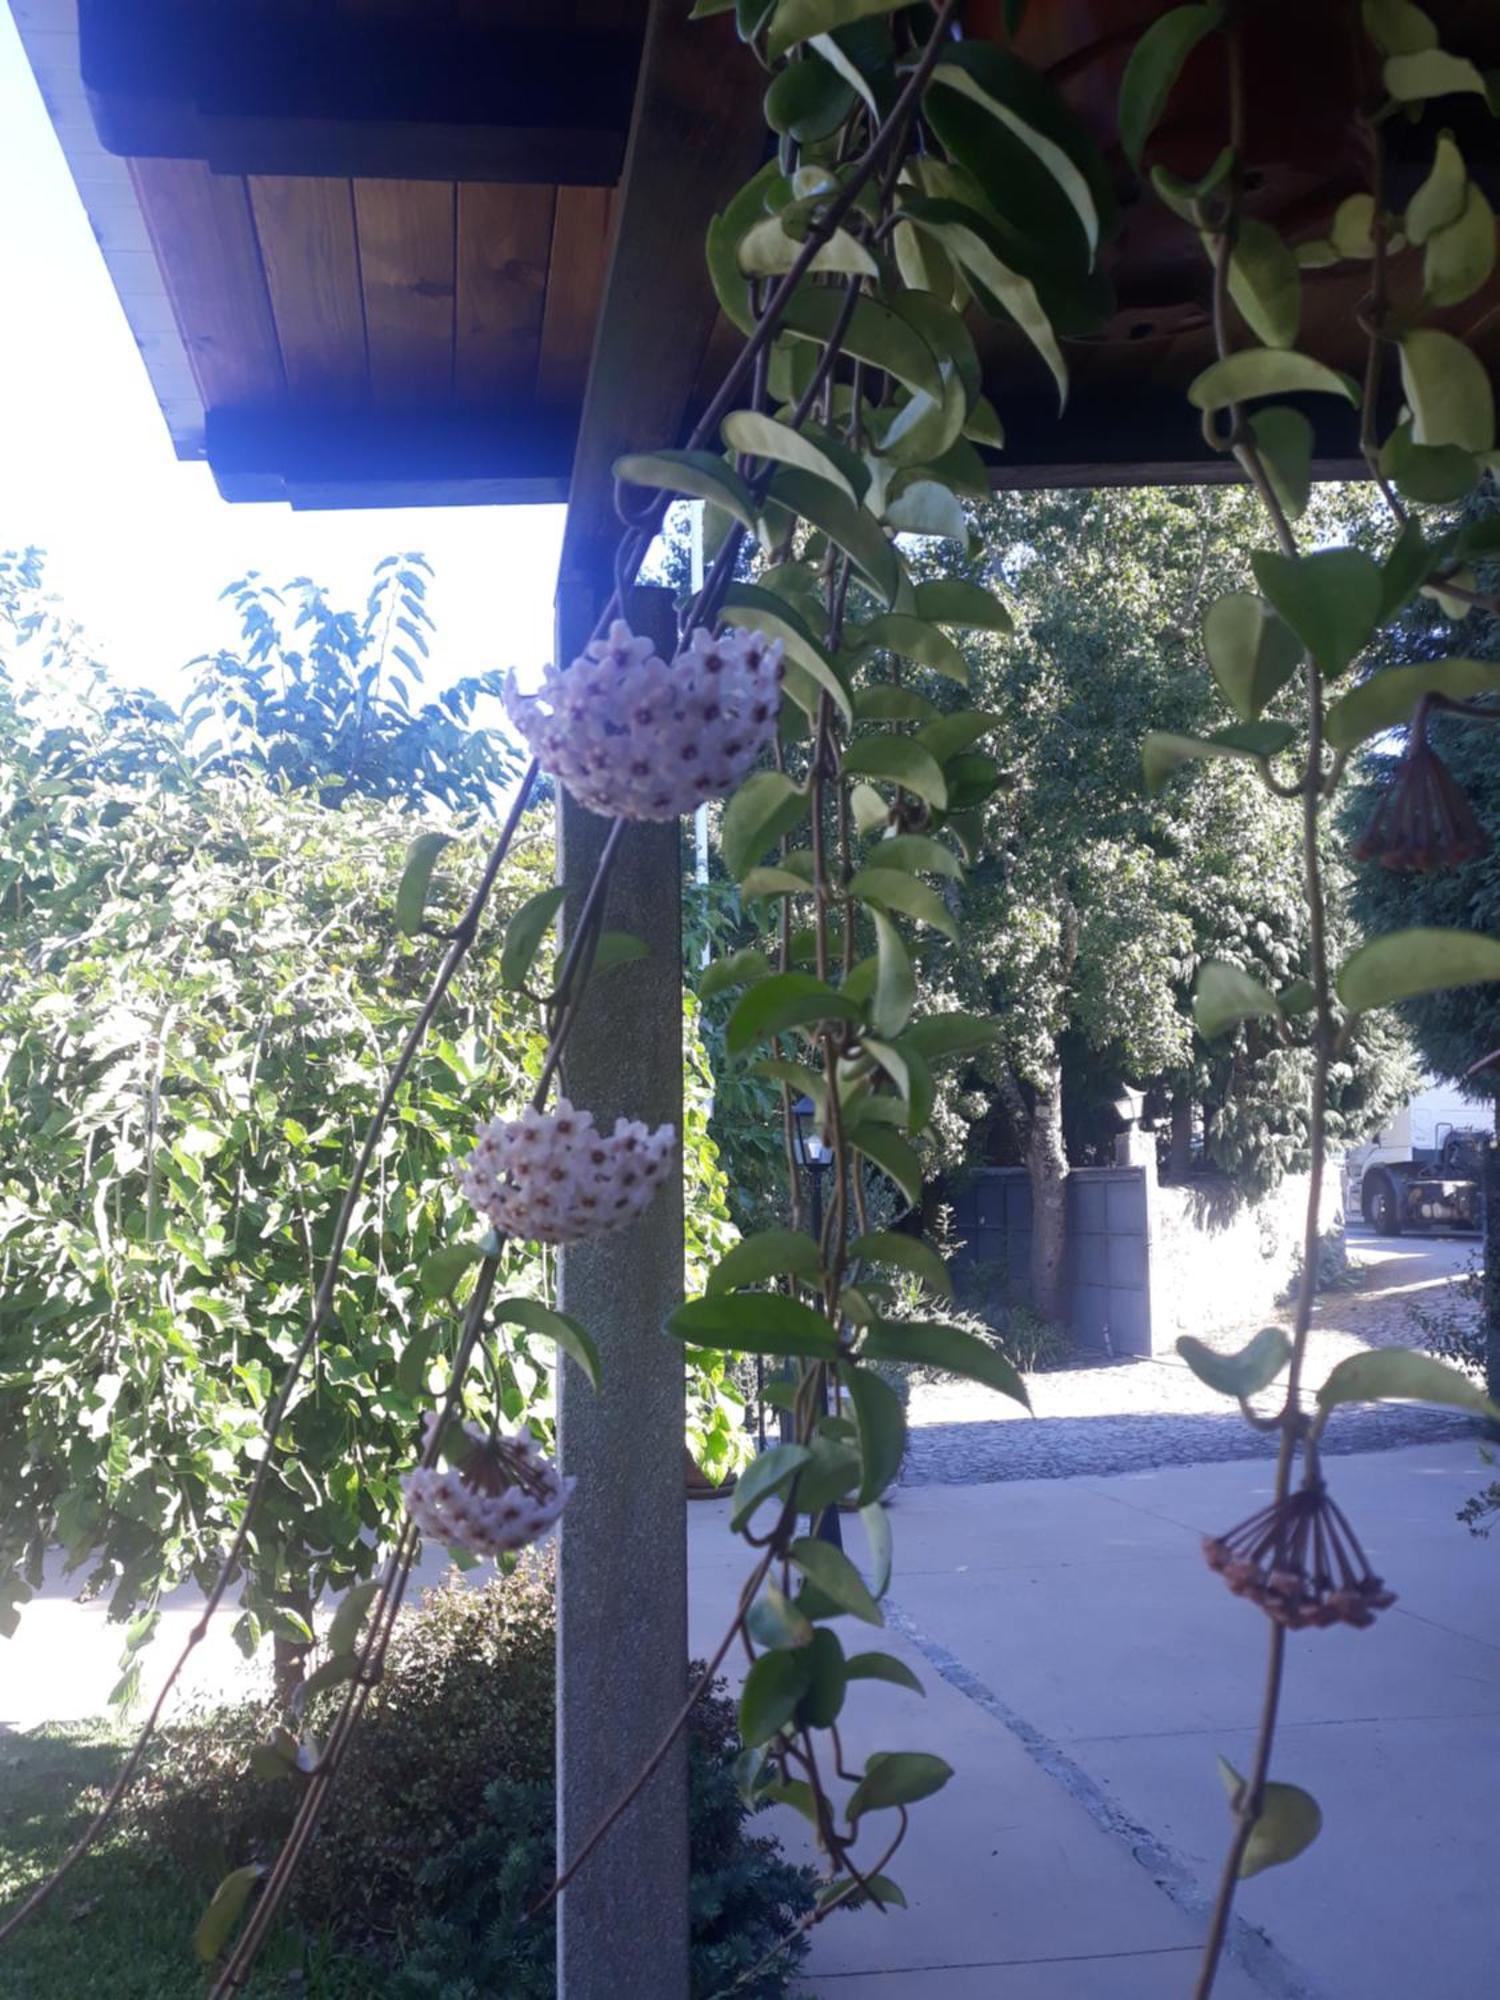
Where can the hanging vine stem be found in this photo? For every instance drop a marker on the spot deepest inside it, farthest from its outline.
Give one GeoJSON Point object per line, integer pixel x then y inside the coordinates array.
{"type": "Point", "coordinates": [1292, 1423]}
{"type": "Point", "coordinates": [460, 944]}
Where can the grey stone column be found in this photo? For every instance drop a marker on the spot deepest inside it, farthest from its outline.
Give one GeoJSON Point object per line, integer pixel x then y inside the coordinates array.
{"type": "Point", "coordinates": [622, 1564]}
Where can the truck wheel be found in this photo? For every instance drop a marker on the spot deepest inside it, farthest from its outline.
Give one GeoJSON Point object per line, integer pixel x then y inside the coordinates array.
{"type": "Point", "coordinates": [1382, 1207]}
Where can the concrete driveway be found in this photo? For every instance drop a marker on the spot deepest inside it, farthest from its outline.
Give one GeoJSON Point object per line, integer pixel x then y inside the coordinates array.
{"type": "Point", "coordinates": [1084, 1669]}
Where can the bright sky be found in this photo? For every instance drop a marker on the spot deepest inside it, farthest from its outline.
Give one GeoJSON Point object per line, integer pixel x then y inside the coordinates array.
{"type": "Point", "coordinates": [139, 546]}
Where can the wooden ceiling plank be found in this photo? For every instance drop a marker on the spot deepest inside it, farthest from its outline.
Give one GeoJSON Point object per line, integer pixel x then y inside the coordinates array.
{"type": "Point", "coordinates": [696, 133]}
{"type": "Point", "coordinates": [311, 259]}
{"type": "Point", "coordinates": [407, 274]}
{"type": "Point", "coordinates": [581, 231]}
{"type": "Point", "coordinates": [204, 237]}
{"type": "Point", "coordinates": [504, 243]}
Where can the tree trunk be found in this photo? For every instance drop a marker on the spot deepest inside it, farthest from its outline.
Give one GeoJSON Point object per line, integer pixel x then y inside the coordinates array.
{"type": "Point", "coordinates": [1182, 1137]}
{"type": "Point", "coordinates": [1047, 1164]}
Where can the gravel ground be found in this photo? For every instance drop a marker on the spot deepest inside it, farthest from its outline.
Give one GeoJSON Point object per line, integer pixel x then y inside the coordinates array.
{"type": "Point", "coordinates": [1131, 1415]}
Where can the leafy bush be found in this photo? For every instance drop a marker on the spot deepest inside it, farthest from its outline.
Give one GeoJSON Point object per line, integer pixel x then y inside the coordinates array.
{"type": "Point", "coordinates": [438, 1835]}
{"type": "Point", "coordinates": [202, 985]}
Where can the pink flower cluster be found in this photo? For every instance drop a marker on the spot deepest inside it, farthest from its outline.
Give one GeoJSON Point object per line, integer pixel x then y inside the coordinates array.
{"type": "Point", "coordinates": [506, 1495]}
{"type": "Point", "coordinates": [634, 738]}
{"type": "Point", "coordinates": [554, 1177]}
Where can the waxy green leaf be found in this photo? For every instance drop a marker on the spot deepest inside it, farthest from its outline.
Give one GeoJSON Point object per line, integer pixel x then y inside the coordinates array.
{"type": "Point", "coordinates": [897, 1778]}
{"type": "Point", "coordinates": [1253, 654]}
{"type": "Point", "coordinates": [224, 1911]}
{"type": "Point", "coordinates": [1266, 284]}
{"type": "Point", "coordinates": [881, 1421]}
{"type": "Point", "coordinates": [900, 761]}
{"type": "Point", "coordinates": [1266, 371]}
{"type": "Point", "coordinates": [770, 1253]}
{"type": "Point", "coordinates": [1224, 996]}
{"type": "Point", "coordinates": [1289, 1820]}
{"type": "Point", "coordinates": [1431, 73]}
{"type": "Point", "coordinates": [1331, 600]}
{"type": "Point", "coordinates": [1398, 1374]}
{"type": "Point", "coordinates": [1253, 1368]}
{"type": "Point", "coordinates": [832, 1573]}
{"type": "Point", "coordinates": [766, 806]}
{"type": "Point", "coordinates": [1403, 964]}
{"type": "Point", "coordinates": [416, 880]}
{"type": "Point", "coordinates": [853, 528]}
{"type": "Point", "coordinates": [895, 980]}
{"type": "Point", "coordinates": [770, 1472]}
{"type": "Point", "coordinates": [738, 968]}
{"type": "Point", "coordinates": [1461, 258]}
{"type": "Point", "coordinates": [698, 475]}
{"type": "Point", "coordinates": [890, 889]}
{"type": "Point", "coordinates": [874, 334]}
{"type": "Point", "coordinates": [754, 1323]}
{"type": "Point", "coordinates": [912, 639]}
{"type": "Point", "coordinates": [799, 20]}
{"type": "Point", "coordinates": [786, 1000]}
{"type": "Point", "coordinates": [810, 672]}
{"type": "Point", "coordinates": [1448, 389]}
{"type": "Point", "coordinates": [893, 1156]}
{"type": "Point", "coordinates": [571, 1335]}
{"type": "Point", "coordinates": [894, 1248]}
{"type": "Point", "coordinates": [968, 606]}
{"type": "Point", "coordinates": [1153, 69]}
{"type": "Point", "coordinates": [882, 1667]}
{"type": "Point", "coordinates": [1284, 439]}
{"type": "Point", "coordinates": [524, 934]}
{"type": "Point", "coordinates": [954, 74]}
{"type": "Point", "coordinates": [1165, 751]}
{"type": "Point", "coordinates": [931, 1344]}
{"type": "Point", "coordinates": [1388, 699]}
{"type": "Point", "coordinates": [774, 1685]}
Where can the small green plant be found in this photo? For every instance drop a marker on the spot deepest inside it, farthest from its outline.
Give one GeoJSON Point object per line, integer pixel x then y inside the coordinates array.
{"type": "Point", "coordinates": [438, 1839]}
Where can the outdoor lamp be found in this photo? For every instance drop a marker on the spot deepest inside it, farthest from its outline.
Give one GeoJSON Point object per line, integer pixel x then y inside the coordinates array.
{"type": "Point", "coordinates": [812, 1152]}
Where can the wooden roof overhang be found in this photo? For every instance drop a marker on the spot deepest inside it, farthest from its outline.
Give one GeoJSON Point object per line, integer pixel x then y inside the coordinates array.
{"type": "Point", "coordinates": [397, 252]}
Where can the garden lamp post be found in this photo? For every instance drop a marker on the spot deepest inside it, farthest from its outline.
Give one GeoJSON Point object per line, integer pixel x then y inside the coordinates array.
{"type": "Point", "coordinates": [814, 1157]}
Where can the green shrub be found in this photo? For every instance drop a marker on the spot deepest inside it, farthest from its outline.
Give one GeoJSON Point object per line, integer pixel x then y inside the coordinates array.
{"type": "Point", "coordinates": [438, 1834]}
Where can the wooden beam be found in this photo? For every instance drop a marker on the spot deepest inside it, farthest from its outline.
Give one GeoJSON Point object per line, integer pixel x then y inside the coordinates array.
{"type": "Point", "coordinates": [314, 457]}
{"type": "Point", "coordinates": [303, 87]}
{"type": "Point", "coordinates": [696, 135]}
{"type": "Point", "coordinates": [406, 233]}
{"type": "Point", "coordinates": [307, 243]}
{"type": "Point", "coordinates": [504, 242]}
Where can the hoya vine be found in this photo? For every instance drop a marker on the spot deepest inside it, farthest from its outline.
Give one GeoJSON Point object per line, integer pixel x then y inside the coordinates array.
{"type": "Point", "coordinates": [1276, 656]}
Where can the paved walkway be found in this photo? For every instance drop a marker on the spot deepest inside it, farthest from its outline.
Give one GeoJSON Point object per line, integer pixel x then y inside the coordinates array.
{"type": "Point", "coordinates": [1084, 1669]}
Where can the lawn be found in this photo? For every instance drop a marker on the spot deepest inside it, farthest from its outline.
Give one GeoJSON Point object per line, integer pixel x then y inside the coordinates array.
{"type": "Point", "coordinates": [122, 1923]}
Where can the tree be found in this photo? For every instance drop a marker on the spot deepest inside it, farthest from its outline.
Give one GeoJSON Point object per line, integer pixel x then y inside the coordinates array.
{"type": "Point", "coordinates": [322, 699]}
{"type": "Point", "coordinates": [1099, 900]}
{"type": "Point", "coordinates": [201, 984]}
{"type": "Point", "coordinates": [1456, 1029]}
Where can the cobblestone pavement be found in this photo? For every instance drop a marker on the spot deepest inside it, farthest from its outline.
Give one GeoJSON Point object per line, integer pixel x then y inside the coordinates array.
{"type": "Point", "coordinates": [1127, 1416]}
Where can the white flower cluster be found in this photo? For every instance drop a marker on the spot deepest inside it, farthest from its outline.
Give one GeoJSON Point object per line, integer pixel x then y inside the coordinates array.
{"type": "Point", "coordinates": [554, 1177]}
{"type": "Point", "coordinates": [635, 738]}
{"type": "Point", "coordinates": [504, 1497]}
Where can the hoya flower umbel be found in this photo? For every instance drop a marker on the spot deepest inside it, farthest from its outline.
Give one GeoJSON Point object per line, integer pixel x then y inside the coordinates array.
{"type": "Point", "coordinates": [1301, 1562]}
{"type": "Point", "coordinates": [635, 738]}
{"type": "Point", "coordinates": [554, 1177]}
{"type": "Point", "coordinates": [504, 1494]}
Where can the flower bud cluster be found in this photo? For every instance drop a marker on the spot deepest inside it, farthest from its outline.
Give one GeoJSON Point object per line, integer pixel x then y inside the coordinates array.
{"type": "Point", "coordinates": [637, 739]}
{"type": "Point", "coordinates": [554, 1177]}
{"type": "Point", "coordinates": [504, 1496]}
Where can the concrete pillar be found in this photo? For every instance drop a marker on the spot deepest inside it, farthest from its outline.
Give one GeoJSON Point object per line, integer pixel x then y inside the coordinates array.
{"type": "Point", "coordinates": [622, 1562]}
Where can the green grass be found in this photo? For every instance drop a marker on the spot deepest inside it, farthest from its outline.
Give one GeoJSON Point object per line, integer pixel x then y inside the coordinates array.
{"type": "Point", "coordinates": [122, 1923]}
